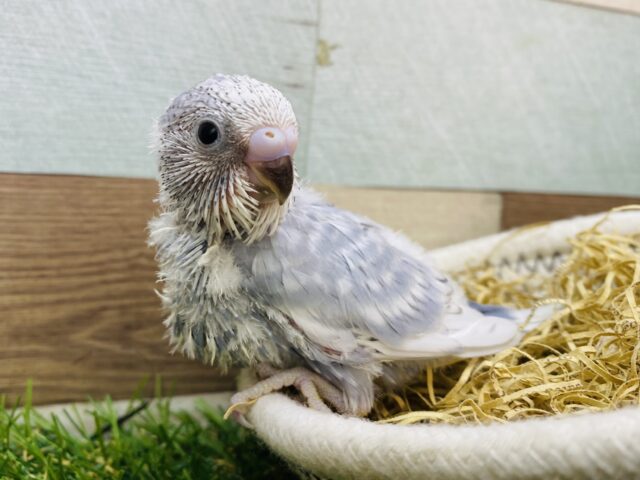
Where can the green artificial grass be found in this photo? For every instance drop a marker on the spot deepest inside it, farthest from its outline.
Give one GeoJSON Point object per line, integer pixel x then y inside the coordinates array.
{"type": "Point", "coordinates": [152, 442]}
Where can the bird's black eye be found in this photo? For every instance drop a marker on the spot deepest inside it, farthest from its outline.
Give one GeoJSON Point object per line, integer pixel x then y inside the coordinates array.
{"type": "Point", "coordinates": [208, 133]}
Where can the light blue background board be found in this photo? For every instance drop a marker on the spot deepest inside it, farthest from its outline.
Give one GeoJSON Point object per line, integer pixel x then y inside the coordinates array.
{"type": "Point", "coordinates": [476, 94]}
{"type": "Point", "coordinates": [514, 95]}
{"type": "Point", "coordinates": [83, 81]}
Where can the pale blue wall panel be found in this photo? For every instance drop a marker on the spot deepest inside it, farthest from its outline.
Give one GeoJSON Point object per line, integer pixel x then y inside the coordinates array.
{"type": "Point", "coordinates": [515, 95]}
{"type": "Point", "coordinates": [480, 94]}
{"type": "Point", "coordinates": [82, 81]}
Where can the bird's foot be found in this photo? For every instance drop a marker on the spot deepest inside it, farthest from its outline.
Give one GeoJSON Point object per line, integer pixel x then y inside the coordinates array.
{"type": "Point", "coordinates": [315, 390]}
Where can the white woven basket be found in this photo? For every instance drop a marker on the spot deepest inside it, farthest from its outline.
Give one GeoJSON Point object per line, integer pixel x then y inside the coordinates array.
{"type": "Point", "coordinates": [597, 445]}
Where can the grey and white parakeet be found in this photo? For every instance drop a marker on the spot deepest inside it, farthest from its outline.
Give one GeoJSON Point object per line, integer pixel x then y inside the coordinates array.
{"type": "Point", "coordinates": [261, 271]}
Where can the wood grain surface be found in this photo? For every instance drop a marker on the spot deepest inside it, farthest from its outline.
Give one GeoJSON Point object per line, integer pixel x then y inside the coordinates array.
{"type": "Point", "coordinates": [79, 312]}
{"type": "Point", "coordinates": [523, 208]}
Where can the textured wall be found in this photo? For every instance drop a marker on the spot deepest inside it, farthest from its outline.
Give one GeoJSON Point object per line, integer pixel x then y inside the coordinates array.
{"type": "Point", "coordinates": [518, 95]}
{"type": "Point", "coordinates": [82, 81]}
{"type": "Point", "coordinates": [522, 94]}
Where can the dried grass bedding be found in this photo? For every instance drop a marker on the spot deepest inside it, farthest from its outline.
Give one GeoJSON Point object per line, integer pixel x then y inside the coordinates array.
{"type": "Point", "coordinates": [585, 358]}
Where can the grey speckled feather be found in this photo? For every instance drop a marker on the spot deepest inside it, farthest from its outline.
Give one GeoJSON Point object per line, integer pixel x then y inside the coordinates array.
{"type": "Point", "coordinates": [255, 274]}
{"type": "Point", "coordinates": [330, 270]}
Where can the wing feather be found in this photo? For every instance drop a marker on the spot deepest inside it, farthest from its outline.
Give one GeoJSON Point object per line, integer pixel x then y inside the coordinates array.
{"type": "Point", "coordinates": [337, 275]}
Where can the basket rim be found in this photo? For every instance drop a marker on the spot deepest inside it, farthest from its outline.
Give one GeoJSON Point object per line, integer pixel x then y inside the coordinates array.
{"type": "Point", "coordinates": [562, 446]}
{"type": "Point", "coordinates": [539, 240]}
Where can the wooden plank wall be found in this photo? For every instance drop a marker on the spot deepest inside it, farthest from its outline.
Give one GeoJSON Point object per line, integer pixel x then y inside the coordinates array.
{"type": "Point", "coordinates": [523, 208]}
{"type": "Point", "coordinates": [79, 313]}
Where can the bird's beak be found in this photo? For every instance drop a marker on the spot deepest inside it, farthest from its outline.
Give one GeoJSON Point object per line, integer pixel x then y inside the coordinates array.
{"type": "Point", "coordinates": [269, 161]}
{"type": "Point", "coordinates": [274, 175]}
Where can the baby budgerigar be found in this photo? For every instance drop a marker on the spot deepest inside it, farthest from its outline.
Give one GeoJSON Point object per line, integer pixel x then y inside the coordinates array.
{"type": "Point", "coordinates": [260, 271]}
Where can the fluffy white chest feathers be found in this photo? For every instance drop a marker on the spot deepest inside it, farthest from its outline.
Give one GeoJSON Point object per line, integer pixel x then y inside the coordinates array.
{"type": "Point", "coordinates": [210, 315]}
{"type": "Point", "coordinates": [224, 277]}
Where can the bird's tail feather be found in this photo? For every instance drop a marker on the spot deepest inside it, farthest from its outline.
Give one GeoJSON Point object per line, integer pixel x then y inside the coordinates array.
{"type": "Point", "coordinates": [528, 318]}
{"type": "Point", "coordinates": [471, 330]}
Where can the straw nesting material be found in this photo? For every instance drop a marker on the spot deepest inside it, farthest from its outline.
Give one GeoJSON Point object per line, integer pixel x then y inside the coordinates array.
{"type": "Point", "coordinates": [583, 359]}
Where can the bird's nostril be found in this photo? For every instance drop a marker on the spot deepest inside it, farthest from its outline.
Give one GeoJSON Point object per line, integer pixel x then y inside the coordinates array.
{"type": "Point", "coordinates": [268, 143]}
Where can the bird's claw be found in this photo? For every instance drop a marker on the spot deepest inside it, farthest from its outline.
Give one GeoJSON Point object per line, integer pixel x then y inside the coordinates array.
{"type": "Point", "coordinates": [238, 410]}
{"type": "Point", "coordinates": [315, 390]}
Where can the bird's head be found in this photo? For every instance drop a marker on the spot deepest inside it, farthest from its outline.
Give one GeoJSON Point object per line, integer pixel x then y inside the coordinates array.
{"type": "Point", "coordinates": [226, 157]}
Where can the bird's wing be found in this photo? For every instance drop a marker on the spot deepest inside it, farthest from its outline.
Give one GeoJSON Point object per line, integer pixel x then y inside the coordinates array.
{"type": "Point", "coordinates": [347, 282]}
